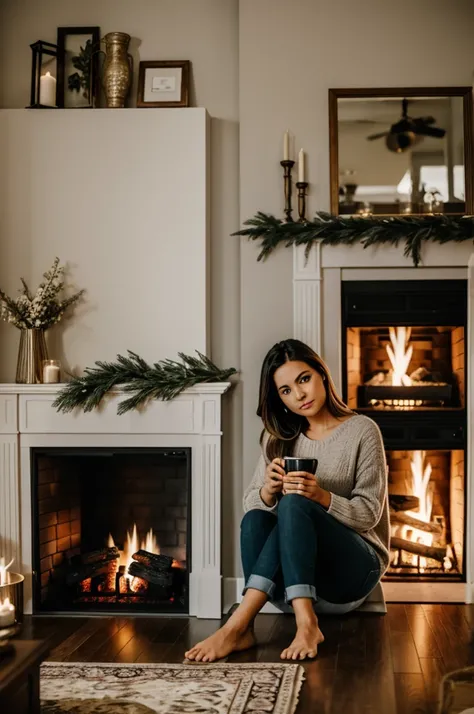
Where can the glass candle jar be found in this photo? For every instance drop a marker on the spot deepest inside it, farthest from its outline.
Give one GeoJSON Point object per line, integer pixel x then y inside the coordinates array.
{"type": "Point", "coordinates": [51, 371]}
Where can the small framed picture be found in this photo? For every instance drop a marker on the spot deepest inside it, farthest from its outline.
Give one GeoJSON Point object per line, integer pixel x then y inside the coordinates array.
{"type": "Point", "coordinates": [77, 67]}
{"type": "Point", "coordinates": [163, 84]}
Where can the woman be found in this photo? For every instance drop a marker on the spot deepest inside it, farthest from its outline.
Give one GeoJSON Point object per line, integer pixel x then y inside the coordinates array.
{"type": "Point", "coordinates": [313, 540]}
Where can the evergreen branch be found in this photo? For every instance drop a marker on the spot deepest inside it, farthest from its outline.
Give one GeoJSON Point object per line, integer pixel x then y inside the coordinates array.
{"type": "Point", "coordinates": [163, 380]}
{"type": "Point", "coordinates": [373, 230]}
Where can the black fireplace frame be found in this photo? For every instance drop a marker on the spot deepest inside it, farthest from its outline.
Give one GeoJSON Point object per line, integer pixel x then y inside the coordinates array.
{"type": "Point", "coordinates": [35, 453]}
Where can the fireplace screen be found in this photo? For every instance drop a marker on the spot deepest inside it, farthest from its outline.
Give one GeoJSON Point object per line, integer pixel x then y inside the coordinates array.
{"type": "Point", "coordinates": [111, 529]}
{"type": "Point", "coordinates": [426, 497]}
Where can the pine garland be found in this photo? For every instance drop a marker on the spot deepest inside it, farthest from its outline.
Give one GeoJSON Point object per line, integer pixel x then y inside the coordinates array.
{"type": "Point", "coordinates": [373, 230]}
{"type": "Point", "coordinates": [164, 380]}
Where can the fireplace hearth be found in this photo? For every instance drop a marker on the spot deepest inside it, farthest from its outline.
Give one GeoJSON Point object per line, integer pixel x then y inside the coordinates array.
{"type": "Point", "coordinates": [111, 529]}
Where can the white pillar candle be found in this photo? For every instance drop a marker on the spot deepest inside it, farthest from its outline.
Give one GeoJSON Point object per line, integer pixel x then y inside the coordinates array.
{"type": "Point", "coordinates": [7, 614]}
{"type": "Point", "coordinates": [301, 166]}
{"type": "Point", "coordinates": [50, 372]}
{"type": "Point", "coordinates": [47, 90]}
{"type": "Point", "coordinates": [286, 146]}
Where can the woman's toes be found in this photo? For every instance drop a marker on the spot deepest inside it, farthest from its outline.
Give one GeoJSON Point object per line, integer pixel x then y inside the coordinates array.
{"type": "Point", "coordinates": [191, 654]}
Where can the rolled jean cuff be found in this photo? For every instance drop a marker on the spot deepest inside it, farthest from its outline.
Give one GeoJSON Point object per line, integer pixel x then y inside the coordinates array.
{"type": "Point", "coordinates": [258, 582]}
{"type": "Point", "coordinates": [294, 591]}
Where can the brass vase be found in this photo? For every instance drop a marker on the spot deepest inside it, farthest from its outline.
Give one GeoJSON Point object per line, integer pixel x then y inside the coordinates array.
{"type": "Point", "coordinates": [117, 70]}
{"type": "Point", "coordinates": [31, 353]}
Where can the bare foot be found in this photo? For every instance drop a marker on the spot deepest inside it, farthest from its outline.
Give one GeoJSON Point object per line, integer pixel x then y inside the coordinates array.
{"type": "Point", "coordinates": [220, 644]}
{"type": "Point", "coordinates": [305, 644]}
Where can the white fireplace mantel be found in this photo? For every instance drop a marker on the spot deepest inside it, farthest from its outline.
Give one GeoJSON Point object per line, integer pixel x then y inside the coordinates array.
{"type": "Point", "coordinates": [317, 283]}
{"type": "Point", "coordinates": [192, 419]}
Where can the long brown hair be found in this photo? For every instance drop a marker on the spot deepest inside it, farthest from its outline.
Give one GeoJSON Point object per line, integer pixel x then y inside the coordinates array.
{"type": "Point", "coordinates": [282, 425]}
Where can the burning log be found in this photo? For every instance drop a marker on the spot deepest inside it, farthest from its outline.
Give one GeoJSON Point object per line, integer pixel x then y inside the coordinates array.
{"type": "Point", "coordinates": [155, 562]}
{"type": "Point", "coordinates": [82, 567]}
{"type": "Point", "coordinates": [403, 503]}
{"type": "Point", "coordinates": [428, 551]}
{"type": "Point", "coordinates": [77, 573]}
{"type": "Point", "coordinates": [99, 555]}
{"type": "Point", "coordinates": [403, 519]}
{"type": "Point", "coordinates": [151, 575]}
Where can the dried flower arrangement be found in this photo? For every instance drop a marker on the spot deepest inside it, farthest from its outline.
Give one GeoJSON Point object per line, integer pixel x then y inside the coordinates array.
{"type": "Point", "coordinates": [41, 310]}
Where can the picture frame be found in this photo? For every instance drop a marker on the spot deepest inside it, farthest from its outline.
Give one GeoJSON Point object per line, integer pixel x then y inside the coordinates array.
{"type": "Point", "coordinates": [77, 73]}
{"type": "Point", "coordinates": [164, 83]}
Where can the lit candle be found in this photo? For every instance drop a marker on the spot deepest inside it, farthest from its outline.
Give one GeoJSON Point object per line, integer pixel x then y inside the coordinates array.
{"type": "Point", "coordinates": [7, 614]}
{"type": "Point", "coordinates": [47, 90]}
{"type": "Point", "coordinates": [286, 146]}
{"type": "Point", "coordinates": [3, 570]}
{"type": "Point", "coordinates": [301, 166]}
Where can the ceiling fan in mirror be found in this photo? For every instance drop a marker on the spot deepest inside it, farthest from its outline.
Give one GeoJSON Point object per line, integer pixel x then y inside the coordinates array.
{"type": "Point", "coordinates": [408, 131]}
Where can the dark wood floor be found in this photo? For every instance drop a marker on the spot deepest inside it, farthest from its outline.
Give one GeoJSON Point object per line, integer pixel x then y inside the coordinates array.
{"type": "Point", "coordinates": [369, 664]}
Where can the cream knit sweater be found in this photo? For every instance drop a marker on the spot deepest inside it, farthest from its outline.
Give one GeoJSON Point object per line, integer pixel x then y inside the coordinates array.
{"type": "Point", "coordinates": [352, 466]}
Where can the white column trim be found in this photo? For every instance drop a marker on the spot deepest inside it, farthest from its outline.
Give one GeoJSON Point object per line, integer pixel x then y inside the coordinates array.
{"type": "Point", "coordinates": [9, 501]}
{"type": "Point", "coordinates": [307, 308]}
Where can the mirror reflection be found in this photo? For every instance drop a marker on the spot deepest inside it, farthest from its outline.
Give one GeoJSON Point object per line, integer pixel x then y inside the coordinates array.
{"type": "Point", "coordinates": [400, 155]}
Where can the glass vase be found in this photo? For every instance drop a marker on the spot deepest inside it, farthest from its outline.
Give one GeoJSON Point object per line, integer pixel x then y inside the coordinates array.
{"type": "Point", "coordinates": [31, 354]}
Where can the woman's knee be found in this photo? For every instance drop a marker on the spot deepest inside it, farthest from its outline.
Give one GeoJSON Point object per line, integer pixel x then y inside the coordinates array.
{"type": "Point", "coordinates": [294, 502]}
{"type": "Point", "coordinates": [257, 518]}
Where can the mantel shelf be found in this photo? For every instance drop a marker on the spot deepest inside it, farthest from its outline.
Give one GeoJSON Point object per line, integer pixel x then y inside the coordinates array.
{"type": "Point", "coordinates": [46, 389]}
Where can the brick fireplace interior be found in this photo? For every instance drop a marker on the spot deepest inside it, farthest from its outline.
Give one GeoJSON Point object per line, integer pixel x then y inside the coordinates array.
{"type": "Point", "coordinates": [111, 530]}
{"type": "Point", "coordinates": [404, 363]}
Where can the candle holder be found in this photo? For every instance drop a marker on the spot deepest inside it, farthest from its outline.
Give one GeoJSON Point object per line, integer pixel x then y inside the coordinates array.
{"type": "Point", "coordinates": [302, 186]}
{"type": "Point", "coordinates": [11, 589]}
{"type": "Point", "coordinates": [43, 97]}
{"type": "Point", "coordinates": [287, 167]}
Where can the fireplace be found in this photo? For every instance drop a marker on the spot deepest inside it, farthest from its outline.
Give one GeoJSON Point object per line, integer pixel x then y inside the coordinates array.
{"type": "Point", "coordinates": [404, 365]}
{"type": "Point", "coordinates": [111, 529]}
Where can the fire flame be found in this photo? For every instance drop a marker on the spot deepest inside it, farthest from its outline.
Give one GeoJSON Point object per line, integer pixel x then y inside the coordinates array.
{"type": "Point", "coordinates": [149, 544]}
{"type": "Point", "coordinates": [421, 475]}
{"type": "Point", "coordinates": [399, 355]}
{"type": "Point", "coordinates": [420, 485]}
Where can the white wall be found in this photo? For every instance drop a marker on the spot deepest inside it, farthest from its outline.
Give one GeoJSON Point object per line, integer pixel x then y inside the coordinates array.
{"type": "Point", "coordinates": [290, 55]}
{"type": "Point", "coordinates": [123, 198]}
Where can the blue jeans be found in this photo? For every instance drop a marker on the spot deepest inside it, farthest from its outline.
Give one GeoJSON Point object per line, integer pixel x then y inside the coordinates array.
{"type": "Point", "coordinates": [303, 551]}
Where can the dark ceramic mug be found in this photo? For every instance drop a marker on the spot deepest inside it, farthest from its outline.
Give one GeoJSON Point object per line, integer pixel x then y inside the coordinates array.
{"type": "Point", "coordinates": [295, 463]}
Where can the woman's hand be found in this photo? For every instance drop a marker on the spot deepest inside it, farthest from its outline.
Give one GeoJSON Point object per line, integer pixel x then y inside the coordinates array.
{"type": "Point", "coordinates": [273, 481]}
{"type": "Point", "coordinates": [307, 485]}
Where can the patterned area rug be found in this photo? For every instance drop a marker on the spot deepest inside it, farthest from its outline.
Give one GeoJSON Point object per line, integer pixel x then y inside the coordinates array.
{"type": "Point", "coordinates": [70, 688]}
{"type": "Point", "coordinates": [457, 692]}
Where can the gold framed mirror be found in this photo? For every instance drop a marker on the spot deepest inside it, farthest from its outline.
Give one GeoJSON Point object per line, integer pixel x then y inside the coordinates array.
{"type": "Point", "coordinates": [401, 151]}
